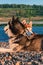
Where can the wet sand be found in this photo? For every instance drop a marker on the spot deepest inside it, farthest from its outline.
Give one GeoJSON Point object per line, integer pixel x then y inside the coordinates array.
{"type": "Point", "coordinates": [32, 18]}
{"type": "Point", "coordinates": [5, 19]}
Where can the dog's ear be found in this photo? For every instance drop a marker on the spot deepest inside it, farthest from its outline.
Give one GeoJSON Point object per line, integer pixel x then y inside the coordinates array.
{"type": "Point", "coordinates": [13, 18]}
{"type": "Point", "coordinates": [17, 18]}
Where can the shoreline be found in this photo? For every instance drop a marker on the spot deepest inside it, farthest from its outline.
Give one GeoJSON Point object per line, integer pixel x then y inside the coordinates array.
{"type": "Point", "coordinates": [37, 18]}
{"type": "Point", "coordinates": [5, 19]}
{"type": "Point", "coordinates": [37, 21]}
{"type": "Point", "coordinates": [34, 23]}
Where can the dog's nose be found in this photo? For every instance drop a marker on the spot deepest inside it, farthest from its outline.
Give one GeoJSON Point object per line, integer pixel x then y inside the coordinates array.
{"type": "Point", "coordinates": [6, 28]}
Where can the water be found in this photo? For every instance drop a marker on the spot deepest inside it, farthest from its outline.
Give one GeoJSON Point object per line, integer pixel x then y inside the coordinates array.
{"type": "Point", "coordinates": [4, 37]}
{"type": "Point", "coordinates": [38, 29]}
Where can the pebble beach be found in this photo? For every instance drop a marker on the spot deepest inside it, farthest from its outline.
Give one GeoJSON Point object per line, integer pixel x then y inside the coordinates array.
{"type": "Point", "coordinates": [20, 58]}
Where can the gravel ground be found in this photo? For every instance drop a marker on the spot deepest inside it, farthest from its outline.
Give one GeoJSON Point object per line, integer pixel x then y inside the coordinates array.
{"type": "Point", "coordinates": [22, 58]}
